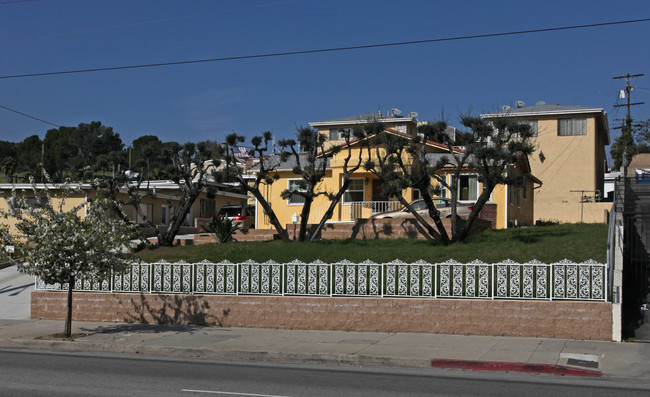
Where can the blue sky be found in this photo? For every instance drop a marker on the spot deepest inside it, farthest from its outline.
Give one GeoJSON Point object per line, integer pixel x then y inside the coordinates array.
{"type": "Point", "coordinates": [209, 100]}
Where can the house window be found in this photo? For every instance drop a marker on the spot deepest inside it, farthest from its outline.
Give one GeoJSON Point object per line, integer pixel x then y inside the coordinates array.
{"type": "Point", "coordinates": [337, 134]}
{"type": "Point", "coordinates": [571, 127]}
{"type": "Point", "coordinates": [468, 187]}
{"type": "Point", "coordinates": [294, 185]}
{"type": "Point", "coordinates": [400, 128]}
{"type": "Point", "coordinates": [416, 195]}
{"type": "Point", "coordinates": [355, 191]}
{"type": "Point", "coordinates": [164, 215]}
{"type": "Point", "coordinates": [206, 208]}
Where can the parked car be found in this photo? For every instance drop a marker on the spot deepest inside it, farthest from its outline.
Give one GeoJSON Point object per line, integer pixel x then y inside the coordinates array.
{"type": "Point", "coordinates": [442, 204]}
{"type": "Point", "coordinates": [242, 215]}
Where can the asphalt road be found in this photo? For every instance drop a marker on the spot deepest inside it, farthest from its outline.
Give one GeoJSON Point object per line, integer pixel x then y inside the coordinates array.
{"type": "Point", "coordinates": [32, 373]}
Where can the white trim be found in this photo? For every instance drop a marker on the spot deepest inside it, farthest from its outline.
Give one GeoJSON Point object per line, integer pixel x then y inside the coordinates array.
{"type": "Point", "coordinates": [257, 213]}
{"type": "Point", "coordinates": [41, 186]}
{"type": "Point", "coordinates": [507, 204]}
{"type": "Point", "coordinates": [360, 121]}
{"type": "Point", "coordinates": [541, 113]}
{"type": "Point", "coordinates": [363, 183]}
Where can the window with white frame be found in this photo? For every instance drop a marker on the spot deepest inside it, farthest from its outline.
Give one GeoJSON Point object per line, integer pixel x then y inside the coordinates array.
{"type": "Point", "coordinates": [337, 134]}
{"type": "Point", "coordinates": [468, 187]}
{"type": "Point", "coordinates": [355, 191]}
{"type": "Point", "coordinates": [294, 185]}
{"type": "Point", "coordinates": [572, 126]}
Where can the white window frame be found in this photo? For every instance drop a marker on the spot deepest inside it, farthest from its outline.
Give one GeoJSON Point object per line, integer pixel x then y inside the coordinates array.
{"type": "Point", "coordinates": [289, 200]}
{"type": "Point", "coordinates": [164, 215]}
{"type": "Point", "coordinates": [346, 195]}
{"type": "Point", "coordinates": [337, 135]}
{"type": "Point", "coordinates": [570, 126]}
{"type": "Point", "coordinates": [476, 189]}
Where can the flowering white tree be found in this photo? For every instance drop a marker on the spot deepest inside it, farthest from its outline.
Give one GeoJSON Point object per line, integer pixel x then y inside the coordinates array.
{"type": "Point", "coordinates": [59, 242]}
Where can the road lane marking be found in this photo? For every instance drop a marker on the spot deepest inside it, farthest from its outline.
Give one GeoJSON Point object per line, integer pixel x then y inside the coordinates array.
{"type": "Point", "coordinates": [228, 393]}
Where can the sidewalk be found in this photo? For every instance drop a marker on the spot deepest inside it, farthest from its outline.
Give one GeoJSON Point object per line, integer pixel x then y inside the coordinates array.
{"type": "Point", "coordinates": [617, 360]}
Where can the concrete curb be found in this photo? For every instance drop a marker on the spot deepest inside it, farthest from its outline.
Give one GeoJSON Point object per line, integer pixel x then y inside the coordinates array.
{"type": "Point", "coordinates": [500, 366]}
{"type": "Point", "coordinates": [236, 355]}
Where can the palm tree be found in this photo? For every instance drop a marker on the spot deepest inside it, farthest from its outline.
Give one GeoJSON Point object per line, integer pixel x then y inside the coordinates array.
{"type": "Point", "coordinates": [8, 167]}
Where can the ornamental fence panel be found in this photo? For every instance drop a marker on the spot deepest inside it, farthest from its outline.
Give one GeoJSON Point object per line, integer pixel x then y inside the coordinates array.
{"type": "Point", "coordinates": [564, 280]}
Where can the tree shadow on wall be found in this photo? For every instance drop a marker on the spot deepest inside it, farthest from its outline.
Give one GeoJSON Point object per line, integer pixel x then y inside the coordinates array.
{"type": "Point", "coordinates": [172, 309]}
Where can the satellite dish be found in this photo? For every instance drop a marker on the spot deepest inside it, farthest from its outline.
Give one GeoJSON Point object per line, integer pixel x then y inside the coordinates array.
{"type": "Point", "coordinates": [505, 108]}
{"type": "Point", "coordinates": [395, 112]}
{"type": "Point", "coordinates": [413, 114]}
{"type": "Point", "coordinates": [540, 103]}
{"type": "Point", "coordinates": [520, 104]}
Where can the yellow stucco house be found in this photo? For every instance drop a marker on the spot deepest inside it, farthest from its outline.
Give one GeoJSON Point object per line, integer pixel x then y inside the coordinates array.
{"type": "Point", "coordinates": [569, 157]}
{"type": "Point", "coordinates": [158, 207]}
{"type": "Point", "coordinates": [364, 197]}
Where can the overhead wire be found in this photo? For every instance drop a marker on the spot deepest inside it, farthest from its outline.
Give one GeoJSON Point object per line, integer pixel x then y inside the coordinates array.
{"type": "Point", "coordinates": [325, 50]}
{"type": "Point", "coordinates": [29, 116]}
{"type": "Point", "coordinates": [15, 1]}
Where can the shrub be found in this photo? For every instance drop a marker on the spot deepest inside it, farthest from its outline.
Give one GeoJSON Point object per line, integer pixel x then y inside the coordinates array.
{"type": "Point", "coordinates": [222, 228]}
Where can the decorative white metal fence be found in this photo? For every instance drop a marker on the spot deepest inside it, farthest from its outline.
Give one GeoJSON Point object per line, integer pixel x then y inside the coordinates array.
{"type": "Point", "coordinates": [451, 279]}
{"type": "Point", "coordinates": [352, 211]}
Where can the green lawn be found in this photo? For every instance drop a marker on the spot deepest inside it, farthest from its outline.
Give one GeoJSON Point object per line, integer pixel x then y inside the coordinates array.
{"type": "Point", "coordinates": [576, 242]}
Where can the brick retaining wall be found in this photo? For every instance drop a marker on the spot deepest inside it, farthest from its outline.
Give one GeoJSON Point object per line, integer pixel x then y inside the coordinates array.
{"type": "Point", "coordinates": [362, 229]}
{"type": "Point", "coordinates": [555, 319]}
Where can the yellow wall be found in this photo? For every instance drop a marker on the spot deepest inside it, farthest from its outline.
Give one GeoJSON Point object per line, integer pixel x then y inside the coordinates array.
{"type": "Point", "coordinates": [332, 183]}
{"type": "Point", "coordinates": [520, 202]}
{"type": "Point", "coordinates": [69, 203]}
{"type": "Point", "coordinates": [156, 202]}
{"type": "Point", "coordinates": [571, 163]}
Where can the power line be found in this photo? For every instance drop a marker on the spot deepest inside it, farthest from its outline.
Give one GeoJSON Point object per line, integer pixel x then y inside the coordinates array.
{"type": "Point", "coordinates": [322, 50]}
{"type": "Point", "coordinates": [15, 1]}
{"type": "Point", "coordinates": [31, 117]}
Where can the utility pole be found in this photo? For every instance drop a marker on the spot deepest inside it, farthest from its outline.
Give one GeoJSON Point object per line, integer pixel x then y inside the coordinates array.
{"type": "Point", "coordinates": [627, 139]}
{"type": "Point", "coordinates": [628, 91]}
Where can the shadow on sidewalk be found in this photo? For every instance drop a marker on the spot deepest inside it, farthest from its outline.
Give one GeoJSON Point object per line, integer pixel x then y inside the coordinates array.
{"type": "Point", "coordinates": [143, 328]}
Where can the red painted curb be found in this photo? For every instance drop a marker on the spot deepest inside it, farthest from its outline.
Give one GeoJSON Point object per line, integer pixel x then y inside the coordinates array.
{"type": "Point", "coordinates": [552, 369]}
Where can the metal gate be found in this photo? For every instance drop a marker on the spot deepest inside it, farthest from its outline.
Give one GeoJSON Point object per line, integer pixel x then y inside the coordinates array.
{"type": "Point", "coordinates": [636, 252]}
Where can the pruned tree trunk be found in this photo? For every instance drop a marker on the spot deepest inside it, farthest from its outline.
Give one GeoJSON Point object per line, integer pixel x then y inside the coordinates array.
{"type": "Point", "coordinates": [482, 199]}
{"type": "Point", "coordinates": [67, 330]}
{"type": "Point", "coordinates": [282, 233]}
{"type": "Point", "coordinates": [432, 232]}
